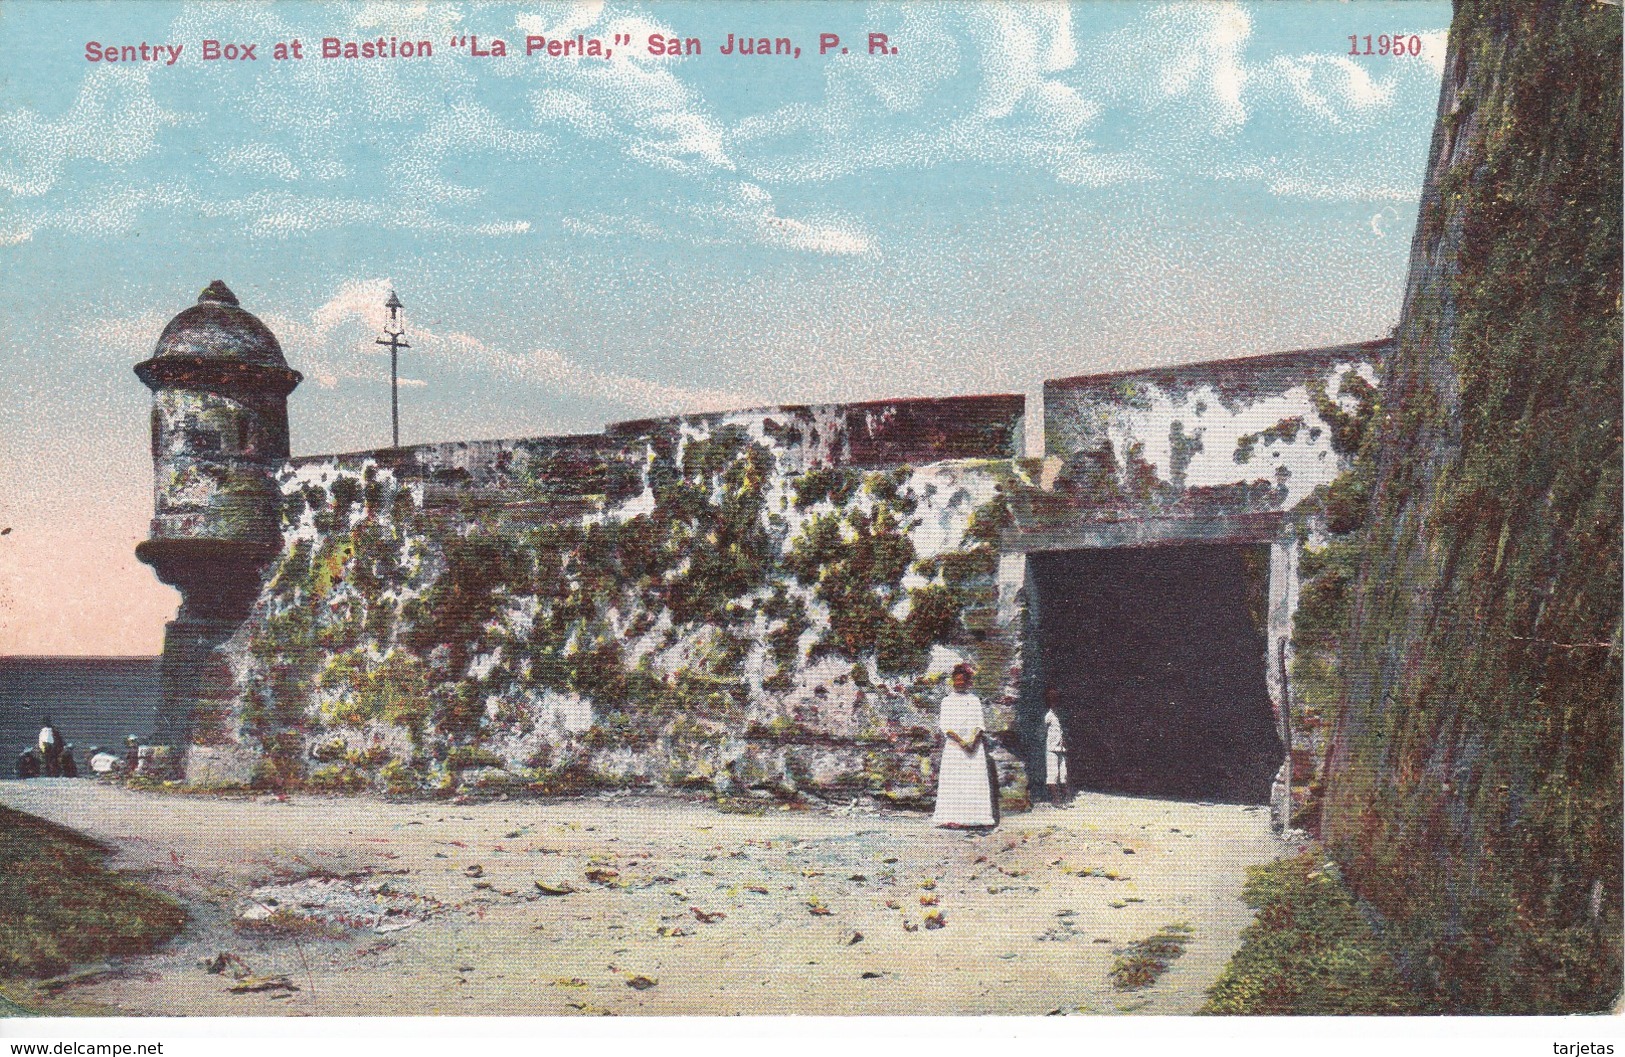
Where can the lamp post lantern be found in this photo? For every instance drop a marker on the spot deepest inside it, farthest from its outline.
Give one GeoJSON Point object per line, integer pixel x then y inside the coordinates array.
{"type": "Point", "coordinates": [393, 332]}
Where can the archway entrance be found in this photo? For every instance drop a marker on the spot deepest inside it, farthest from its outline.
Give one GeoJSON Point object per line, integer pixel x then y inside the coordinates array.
{"type": "Point", "coordinates": [1158, 657]}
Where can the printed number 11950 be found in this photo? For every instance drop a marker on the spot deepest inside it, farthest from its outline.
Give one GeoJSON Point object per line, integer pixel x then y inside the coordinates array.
{"type": "Point", "coordinates": [1396, 45]}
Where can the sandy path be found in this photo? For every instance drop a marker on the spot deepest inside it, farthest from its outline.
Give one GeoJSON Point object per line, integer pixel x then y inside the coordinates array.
{"type": "Point", "coordinates": [1024, 932]}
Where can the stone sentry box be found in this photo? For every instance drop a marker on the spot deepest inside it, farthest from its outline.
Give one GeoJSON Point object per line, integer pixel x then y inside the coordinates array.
{"type": "Point", "coordinates": [750, 603]}
{"type": "Point", "coordinates": [220, 390]}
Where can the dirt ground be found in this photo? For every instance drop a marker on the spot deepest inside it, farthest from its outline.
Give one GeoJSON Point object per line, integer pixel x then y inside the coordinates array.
{"type": "Point", "coordinates": [669, 907]}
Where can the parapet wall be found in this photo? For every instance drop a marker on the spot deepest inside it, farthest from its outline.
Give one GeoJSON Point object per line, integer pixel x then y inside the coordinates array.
{"type": "Point", "coordinates": [1205, 451]}
{"type": "Point", "coordinates": [756, 603]}
{"type": "Point", "coordinates": [870, 434]}
{"type": "Point", "coordinates": [801, 437]}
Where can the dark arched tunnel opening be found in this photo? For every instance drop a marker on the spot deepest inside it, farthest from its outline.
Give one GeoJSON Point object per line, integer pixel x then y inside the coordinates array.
{"type": "Point", "coordinates": [1156, 656]}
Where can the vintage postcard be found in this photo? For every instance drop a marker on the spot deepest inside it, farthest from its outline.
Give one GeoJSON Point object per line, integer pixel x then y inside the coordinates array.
{"type": "Point", "coordinates": [678, 509]}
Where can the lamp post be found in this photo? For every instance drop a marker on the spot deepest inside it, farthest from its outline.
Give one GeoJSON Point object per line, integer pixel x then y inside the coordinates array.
{"type": "Point", "coordinates": [393, 331]}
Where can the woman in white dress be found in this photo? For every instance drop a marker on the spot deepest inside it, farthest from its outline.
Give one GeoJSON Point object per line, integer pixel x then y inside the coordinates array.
{"type": "Point", "coordinates": [964, 792]}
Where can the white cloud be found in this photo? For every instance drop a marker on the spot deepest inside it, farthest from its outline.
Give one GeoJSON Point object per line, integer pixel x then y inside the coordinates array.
{"type": "Point", "coordinates": [638, 102]}
{"type": "Point", "coordinates": [1023, 47]}
{"type": "Point", "coordinates": [1182, 64]}
{"type": "Point", "coordinates": [415, 20]}
{"type": "Point", "coordinates": [1104, 170]}
{"type": "Point", "coordinates": [258, 159]}
{"type": "Point", "coordinates": [305, 119]}
{"type": "Point", "coordinates": [276, 214]}
{"type": "Point", "coordinates": [119, 340]}
{"type": "Point", "coordinates": [1230, 31]}
{"type": "Point", "coordinates": [434, 131]}
{"type": "Point", "coordinates": [1022, 108]}
{"type": "Point", "coordinates": [335, 344]}
{"type": "Point", "coordinates": [112, 211]}
{"type": "Point", "coordinates": [1339, 190]}
{"type": "Point", "coordinates": [1433, 50]}
{"type": "Point", "coordinates": [114, 121]}
{"type": "Point", "coordinates": [421, 146]}
{"type": "Point", "coordinates": [461, 129]}
{"type": "Point", "coordinates": [359, 301]}
{"type": "Point", "coordinates": [1386, 220]}
{"type": "Point", "coordinates": [800, 235]}
{"type": "Point", "coordinates": [642, 106]}
{"type": "Point", "coordinates": [737, 214]}
{"type": "Point", "coordinates": [565, 375]}
{"type": "Point", "coordinates": [1178, 76]}
{"type": "Point", "coordinates": [1307, 181]}
{"type": "Point", "coordinates": [561, 19]}
{"type": "Point", "coordinates": [747, 210]}
{"type": "Point", "coordinates": [1333, 87]}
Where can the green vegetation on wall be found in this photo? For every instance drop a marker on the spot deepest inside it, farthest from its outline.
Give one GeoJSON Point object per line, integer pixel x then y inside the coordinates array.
{"type": "Point", "coordinates": [1327, 571]}
{"type": "Point", "coordinates": [1308, 953]}
{"type": "Point", "coordinates": [461, 616]}
{"type": "Point", "coordinates": [854, 561]}
{"type": "Point", "coordinates": [1475, 796]}
{"type": "Point", "coordinates": [60, 905]}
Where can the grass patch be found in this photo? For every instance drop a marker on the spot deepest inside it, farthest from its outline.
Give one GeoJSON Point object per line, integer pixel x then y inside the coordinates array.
{"type": "Point", "coordinates": [1143, 961]}
{"type": "Point", "coordinates": [59, 905]}
{"type": "Point", "coordinates": [1309, 952]}
{"type": "Point", "coordinates": [8, 1008]}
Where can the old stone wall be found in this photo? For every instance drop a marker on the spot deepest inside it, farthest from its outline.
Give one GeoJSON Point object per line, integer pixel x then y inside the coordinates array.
{"type": "Point", "coordinates": [1258, 450]}
{"type": "Point", "coordinates": [751, 604]}
{"type": "Point", "coordinates": [1475, 793]}
{"type": "Point", "coordinates": [1231, 438]}
{"type": "Point", "coordinates": [762, 602]}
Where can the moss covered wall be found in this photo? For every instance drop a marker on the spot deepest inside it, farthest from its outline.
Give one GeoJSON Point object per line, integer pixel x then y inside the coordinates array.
{"type": "Point", "coordinates": [753, 603]}
{"type": "Point", "coordinates": [1256, 450]}
{"type": "Point", "coordinates": [759, 603]}
{"type": "Point", "coordinates": [1475, 793]}
{"type": "Point", "coordinates": [1236, 437]}
{"type": "Point", "coordinates": [211, 476]}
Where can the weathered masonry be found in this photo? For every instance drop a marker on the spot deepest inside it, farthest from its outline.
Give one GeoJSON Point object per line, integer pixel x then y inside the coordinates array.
{"type": "Point", "coordinates": [1161, 565]}
{"type": "Point", "coordinates": [220, 391]}
{"type": "Point", "coordinates": [761, 603]}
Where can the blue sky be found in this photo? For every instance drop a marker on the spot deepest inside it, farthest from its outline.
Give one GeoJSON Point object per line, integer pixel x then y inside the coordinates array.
{"type": "Point", "coordinates": [1023, 191]}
